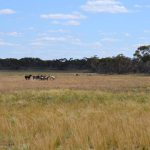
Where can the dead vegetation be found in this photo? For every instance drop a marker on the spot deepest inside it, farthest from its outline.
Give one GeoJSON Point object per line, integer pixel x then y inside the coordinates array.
{"type": "Point", "coordinates": [75, 113]}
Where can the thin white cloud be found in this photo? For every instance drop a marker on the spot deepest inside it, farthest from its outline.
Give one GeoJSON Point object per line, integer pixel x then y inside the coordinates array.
{"type": "Point", "coordinates": [71, 19]}
{"type": "Point", "coordinates": [55, 32]}
{"type": "Point", "coordinates": [14, 34]}
{"type": "Point", "coordinates": [61, 16]}
{"type": "Point", "coordinates": [104, 6]}
{"type": "Point", "coordinates": [108, 39]}
{"type": "Point", "coordinates": [72, 23]}
{"type": "Point", "coordinates": [143, 38]}
{"type": "Point", "coordinates": [66, 23]}
{"type": "Point", "coordinates": [114, 36]}
{"type": "Point", "coordinates": [146, 31]}
{"type": "Point", "coordinates": [31, 28]}
{"type": "Point", "coordinates": [107, 34]}
{"type": "Point", "coordinates": [4, 43]}
{"type": "Point", "coordinates": [49, 40]}
{"type": "Point", "coordinates": [58, 31]}
{"type": "Point", "coordinates": [7, 11]}
{"type": "Point", "coordinates": [37, 43]}
{"type": "Point", "coordinates": [127, 34]}
{"type": "Point", "coordinates": [95, 45]}
{"type": "Point", "coordinates": [53, 39]}
{"type": "Point", "coordinates": [141, 6]}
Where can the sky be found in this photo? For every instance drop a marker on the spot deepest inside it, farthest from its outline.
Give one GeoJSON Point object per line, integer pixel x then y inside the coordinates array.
{"type": "Point", "coordinates": [53, 29]}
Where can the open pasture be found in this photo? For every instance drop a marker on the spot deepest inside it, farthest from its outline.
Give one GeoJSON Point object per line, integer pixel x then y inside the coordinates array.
{"type": "Point", "coordinates": [11, 81]}
{"type": "Point", "coordinates": [85, 112]}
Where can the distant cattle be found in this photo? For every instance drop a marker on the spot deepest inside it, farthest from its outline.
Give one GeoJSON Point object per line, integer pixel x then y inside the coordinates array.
{"type": "Point", "coordinates": [52, 77]}
{"type": "Point", "coordinates": [36, 77]}
{"type": "Point", "coordinates": [27, 77]}
{"type": "Point", "coordinates": [39, 77]}
{"type": "Point", "coordinates": [44, 77]}
{"type": "Point", "coordinates": [77, 74]}
{"type": "Point", "coordinates": [47, 77]}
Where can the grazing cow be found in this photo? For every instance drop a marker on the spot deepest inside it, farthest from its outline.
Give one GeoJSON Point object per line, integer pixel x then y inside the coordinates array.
{"type": "Point", "coordinates": [52, 77]}
{"type": "Point", "coordinates": [27, 77]}
{"type": "Point", "coordinates": [77, 74]}
{"type": "Point", "coordinates": [46, 78]}
{"type": "Point", "coordinates": [36, 77]}
{"type": "Point", "coordinates": [42, 77]}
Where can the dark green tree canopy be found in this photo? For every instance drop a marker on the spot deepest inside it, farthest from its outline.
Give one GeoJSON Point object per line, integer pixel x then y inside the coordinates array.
{"type": "Point", "coordinates": [143, 53]}
{"type": "Point", "coordinates": [119, 64]}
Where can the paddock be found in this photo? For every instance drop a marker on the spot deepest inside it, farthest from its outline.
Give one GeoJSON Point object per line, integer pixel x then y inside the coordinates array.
{"type": "Point", "coordinates": [15, 81]}
{"type": "Point", "coordinates": [74, 111]}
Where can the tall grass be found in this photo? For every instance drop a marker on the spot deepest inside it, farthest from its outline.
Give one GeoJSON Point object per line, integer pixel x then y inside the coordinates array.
{"type": "Point", "coordinates": [74, 120]}
{"type": "Point", "coordinates": [75, 113]}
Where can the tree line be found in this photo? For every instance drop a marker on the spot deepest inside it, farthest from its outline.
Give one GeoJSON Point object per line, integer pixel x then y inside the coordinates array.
{"type": "Point", "coordinates": [119, 64]}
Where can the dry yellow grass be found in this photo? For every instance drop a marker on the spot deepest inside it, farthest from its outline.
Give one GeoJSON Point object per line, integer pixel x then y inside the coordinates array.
{"type": "Point", "coordinates": [16, 81]}
{"type": "Point", "coordinates": [75, 113]}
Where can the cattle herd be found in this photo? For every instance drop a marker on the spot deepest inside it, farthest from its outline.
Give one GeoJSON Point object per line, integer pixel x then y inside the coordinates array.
{"type": "Point", "coordinates": [39, 77]}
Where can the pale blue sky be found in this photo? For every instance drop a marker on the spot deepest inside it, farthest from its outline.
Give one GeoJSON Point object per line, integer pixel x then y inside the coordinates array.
{"type": "Point", "coordinates": [51, 29]}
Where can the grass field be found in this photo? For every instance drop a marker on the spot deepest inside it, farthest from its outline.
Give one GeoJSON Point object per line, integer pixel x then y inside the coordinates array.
{"type": "Point", "coordinates": [86, 112]}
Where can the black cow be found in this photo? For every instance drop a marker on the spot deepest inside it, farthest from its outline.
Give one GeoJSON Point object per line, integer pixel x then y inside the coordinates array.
{"type": "Point", "coordinates": [27, 77]}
